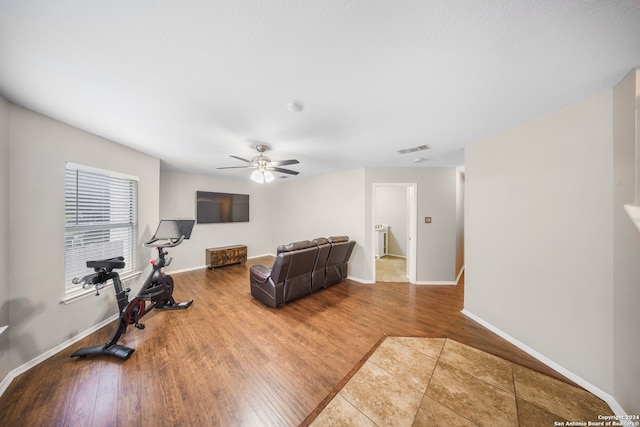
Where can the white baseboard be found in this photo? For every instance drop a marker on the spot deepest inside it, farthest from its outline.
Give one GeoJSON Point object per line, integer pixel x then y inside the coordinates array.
{"type": "Point", "coordinates": [436, 283]}
{"type": "Point", "coordinates": [613, 404]}
{"type": "Point", "coordinates": [184, 270]}
{"type": "Point", "coordinates": [444, 282]}
{"type": "Point", "coordinates": [201, 267]}
{"type": "Point", "coordinates": [6, 381]}
{"type": "Point", "coordinates": [397, 256]}
{"type": "Point", "coordinates": [260, 256]}
{"type": "Point", "coordinates": [359, 280]}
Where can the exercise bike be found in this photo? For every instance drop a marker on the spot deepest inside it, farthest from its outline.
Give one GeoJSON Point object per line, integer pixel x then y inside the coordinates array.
{"type": "Point", "coordinates": [156, 290]}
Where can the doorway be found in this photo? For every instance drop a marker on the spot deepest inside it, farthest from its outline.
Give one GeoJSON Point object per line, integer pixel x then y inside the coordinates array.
{"type": "Point", "coordinates": [394, 232]}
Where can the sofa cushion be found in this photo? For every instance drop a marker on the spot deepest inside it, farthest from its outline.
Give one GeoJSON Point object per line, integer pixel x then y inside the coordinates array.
{"type": "Point", "coordinates": [303, 244]}
{"type": "Point", "coordinates": [337, 239]}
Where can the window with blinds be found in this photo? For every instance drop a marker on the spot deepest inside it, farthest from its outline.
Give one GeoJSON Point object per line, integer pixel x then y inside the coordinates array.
{"type": "Point", "coordinates": [101, 218]}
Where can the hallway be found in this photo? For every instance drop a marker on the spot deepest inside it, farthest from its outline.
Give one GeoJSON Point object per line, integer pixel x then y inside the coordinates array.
{"type": "Point", "coordinates": [391, 268]}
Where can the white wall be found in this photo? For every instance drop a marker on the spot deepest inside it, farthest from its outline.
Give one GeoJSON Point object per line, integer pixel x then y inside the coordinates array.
{"type": "Point", "coordinates": [391, 209]}
{"type": "Point", "coordinates": [39, 148]}
{"type": "Point", "coordinates": [436, 245]}
{"type": "Point", "coordinates": [538, 236]}
{"type": "Point", "coordinates": [4, 234]}
{"type": "Point", "coordinates": [626, 249]}
{"type": "Point", "coordinates": [334, 204]}
{"type": "Point", "coordinates": [321, 206]}
{"type": "Point", "coordinates": [178, 200]}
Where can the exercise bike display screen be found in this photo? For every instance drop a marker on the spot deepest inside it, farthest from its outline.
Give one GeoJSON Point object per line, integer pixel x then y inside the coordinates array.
{"type": "Point", "coordinates": [174, 229]}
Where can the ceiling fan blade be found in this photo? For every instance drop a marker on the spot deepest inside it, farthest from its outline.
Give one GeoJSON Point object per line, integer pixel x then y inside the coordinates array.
{"type": "Point", "coordinates": [290, 172]}
{"type": "Point", "coordinates": [284, 162]}
{"type": "Point", "coordinates": [240, 158]}
{"type": "Point", "coordinates": [238, 167]}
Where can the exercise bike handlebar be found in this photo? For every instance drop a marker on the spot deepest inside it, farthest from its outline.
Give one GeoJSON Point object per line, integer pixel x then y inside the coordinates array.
{"type": "Point", "coordinates": [170, 233]}
{"type": "Point", "coordinates": [170, 243]}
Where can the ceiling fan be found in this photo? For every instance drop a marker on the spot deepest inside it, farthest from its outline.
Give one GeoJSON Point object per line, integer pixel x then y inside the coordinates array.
{"type": "Point", "coordinates": [263, 165]}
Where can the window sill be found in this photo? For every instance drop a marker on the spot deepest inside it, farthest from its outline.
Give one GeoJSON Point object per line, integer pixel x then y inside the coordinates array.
{"type": "Point", "coordinates": [83, 293]}
{"type": "Point", "coordinates": [634, 213]}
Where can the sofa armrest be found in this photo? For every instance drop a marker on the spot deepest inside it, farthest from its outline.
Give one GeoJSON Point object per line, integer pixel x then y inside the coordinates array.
{"type": "Point", "coordinates": [260, 273]}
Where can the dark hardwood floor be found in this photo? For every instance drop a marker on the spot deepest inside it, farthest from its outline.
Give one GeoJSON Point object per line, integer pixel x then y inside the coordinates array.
{"type": "Point", "coordinates": [229, 360]}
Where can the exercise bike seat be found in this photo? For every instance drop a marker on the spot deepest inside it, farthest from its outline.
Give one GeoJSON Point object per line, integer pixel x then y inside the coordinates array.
{"type": "Point", "coordinates": [107, 264]}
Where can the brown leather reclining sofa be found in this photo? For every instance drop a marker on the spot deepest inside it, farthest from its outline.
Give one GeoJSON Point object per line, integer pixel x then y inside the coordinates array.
{"type": "Point", "coordinates": [301, 268]}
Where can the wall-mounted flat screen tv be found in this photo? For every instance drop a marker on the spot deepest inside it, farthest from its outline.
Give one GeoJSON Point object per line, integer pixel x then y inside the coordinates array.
{"type": "Point", "coordinates": [221, 207]}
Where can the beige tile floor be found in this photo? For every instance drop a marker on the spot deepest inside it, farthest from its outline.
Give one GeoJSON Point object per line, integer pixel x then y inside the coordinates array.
{"type": "Point", "coordinates": [391, 269]}
{"type": "Point", "coordinates": [441, 382]}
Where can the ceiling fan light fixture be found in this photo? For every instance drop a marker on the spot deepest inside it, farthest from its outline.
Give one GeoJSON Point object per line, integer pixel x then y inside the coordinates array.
{"type": "Point", "coordinates": [257, 176]}
{"type": "Point", "coordinates": [263, 166]}
{"type": "Point", "coordinates": [261, 176]}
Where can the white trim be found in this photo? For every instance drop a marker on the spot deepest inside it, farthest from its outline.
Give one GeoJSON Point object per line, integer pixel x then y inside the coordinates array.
{"type": "Point", "coordinates": [412, 257]}
{"type": "Point", "coordinates": [260, 256]}
{"type": "Point", "coordinates": [412, 233]}
{"type": "Point", "coordinates": [91, 169]}
{"type": "Point", "coordinates": [634, 213]}
{"type": "Point", "coordinates": [613, 404]}
{"type": "Point", "coordinates": [395, 256]}
{"type": "Point", "coordinates": [4, 384]}
{"type": "Point", "coordinates": [460, 274]}
{"type": "Point", "coordinates": [359, 280]}
{"type": "Point", "coordinates": [444, 282]}
{"type": "Point", "coordinates": [184, 270]}
{"type": "Point", "coordinates": [201, 267]}
{"type": "Point", "coordinates": [437, 283]}
{"type": "Point", "coordinates": [3, 328]}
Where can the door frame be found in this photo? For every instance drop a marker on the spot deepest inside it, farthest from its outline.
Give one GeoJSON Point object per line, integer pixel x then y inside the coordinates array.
{"type": "Point", "coordinates": [412, 218]}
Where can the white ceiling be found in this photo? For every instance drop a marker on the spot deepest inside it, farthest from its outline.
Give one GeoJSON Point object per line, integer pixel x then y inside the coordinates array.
{"type": "Point", "coordinates": [194, 81]}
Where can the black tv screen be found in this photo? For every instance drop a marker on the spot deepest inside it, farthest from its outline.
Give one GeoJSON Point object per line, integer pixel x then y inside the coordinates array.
{"type": "Point", "coordinates": [221, 207]}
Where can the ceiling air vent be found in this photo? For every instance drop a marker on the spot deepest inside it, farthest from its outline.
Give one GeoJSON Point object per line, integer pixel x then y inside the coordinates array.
{"type": "Point", "coordinates": [413, 149]}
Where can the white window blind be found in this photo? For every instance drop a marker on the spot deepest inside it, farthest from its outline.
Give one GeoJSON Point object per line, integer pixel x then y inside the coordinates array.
{"type": "Point", "coordinates": [101, 218]}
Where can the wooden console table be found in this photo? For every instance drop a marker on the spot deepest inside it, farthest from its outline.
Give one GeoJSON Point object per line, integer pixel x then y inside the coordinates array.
{"type": "Point", "coordinates": [225, 255]}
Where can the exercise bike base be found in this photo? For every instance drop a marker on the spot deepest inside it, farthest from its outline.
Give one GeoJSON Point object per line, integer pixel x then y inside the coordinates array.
{"type": "Point", "coordinates": [176, 306]}
{"type": "Point", "coordinates": [116, 350]}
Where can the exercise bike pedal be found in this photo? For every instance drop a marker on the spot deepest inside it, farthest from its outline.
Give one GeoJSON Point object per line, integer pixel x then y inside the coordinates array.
{"type": "Point", "coordinates": [139, 325]}
{"type": "Point", "coordinates": [177, 306]}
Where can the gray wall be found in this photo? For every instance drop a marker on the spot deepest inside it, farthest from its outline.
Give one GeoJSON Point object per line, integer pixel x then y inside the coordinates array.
{"type": "Point", "coordinates": [436, 242]}
{"type": "Point", "coordinates": [626, 248]}
{"type": "Point", "coordinates": [39, 148]}
{"type": "Point", "coordinates": [280, 213]}
{"type": "Point", "coordinates": [321, 206]}
{"type": "Point", "coordinates": [178, 200]}
{"type": "Point", "coordinates": [539, 237]}
{"type": "Point", "coordinates": [4, 235]}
